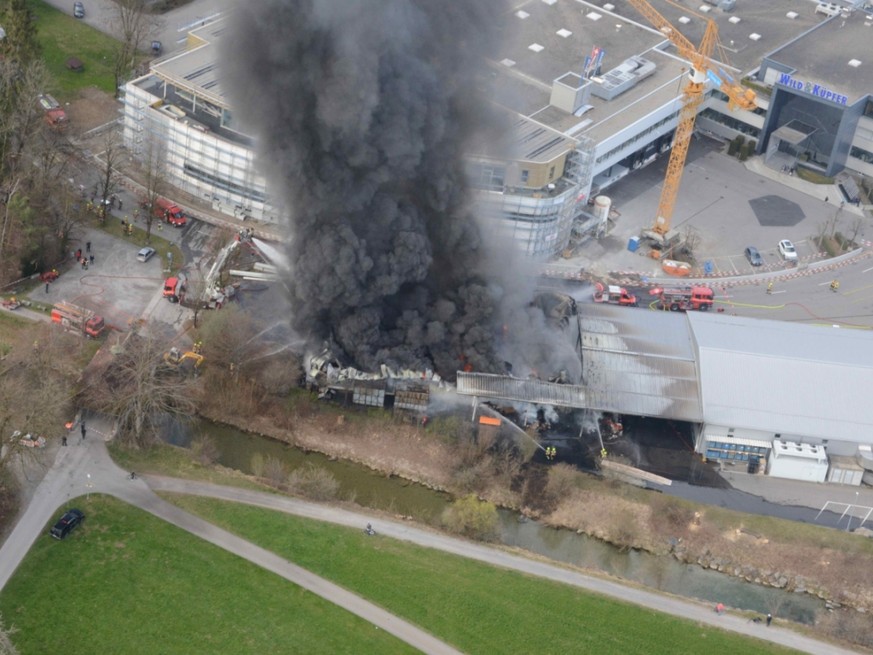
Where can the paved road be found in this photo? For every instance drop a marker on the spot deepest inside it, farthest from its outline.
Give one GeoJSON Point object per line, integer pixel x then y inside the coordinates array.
{"type": "Point", "coordinates": [85, 467]}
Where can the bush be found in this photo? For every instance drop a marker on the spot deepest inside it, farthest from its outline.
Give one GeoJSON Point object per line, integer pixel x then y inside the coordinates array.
{"type": "Point", "coordinates": [205, 451]}
{"type": "Point", "coordinates": [313, 482]}
{"type": "Point", "coordinates": [735, 144]}
{"type": "Point", "coordinates": [562, 481]}
{"type": "Point", "coordinates": [472, 518]}
{"type": "Point", "coordinates": [257, 465]}
{"type": "Point", "coordinates": [675, 513]}
{"type": "Point", "coordinates": [274, 471]}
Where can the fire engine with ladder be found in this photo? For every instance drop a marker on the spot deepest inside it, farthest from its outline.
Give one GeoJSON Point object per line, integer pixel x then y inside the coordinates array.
{"type": "Point", "coordinates": [78, 319]}
{"type": "Point", "coordinates": [681, 300]}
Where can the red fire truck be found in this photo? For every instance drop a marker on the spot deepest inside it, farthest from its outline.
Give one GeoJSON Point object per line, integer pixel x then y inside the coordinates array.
{"type": "Point", "coordinates": [614, 295]}
{"type": "Point", "coordinates": [683, 299]}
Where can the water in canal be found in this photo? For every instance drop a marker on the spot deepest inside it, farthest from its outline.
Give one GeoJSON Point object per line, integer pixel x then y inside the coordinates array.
{"type": "Point", "coordinates": [392, 494]}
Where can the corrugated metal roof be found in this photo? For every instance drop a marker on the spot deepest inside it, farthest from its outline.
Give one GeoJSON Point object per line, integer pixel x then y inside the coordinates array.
{"type": "Point", "coordinates": [788, 378]}
{"type": "Point", "coordinates": [634, 362]}
{"type": "Point", "coordinates": [639, 362]}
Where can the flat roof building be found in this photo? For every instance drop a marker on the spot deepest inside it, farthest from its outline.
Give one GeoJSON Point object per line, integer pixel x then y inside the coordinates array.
{"type": "Point", "coordinates": [590, 92]}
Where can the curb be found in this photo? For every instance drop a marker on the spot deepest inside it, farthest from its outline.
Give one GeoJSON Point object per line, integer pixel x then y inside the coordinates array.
{"type": "Point", "coordinates": [814, 264]}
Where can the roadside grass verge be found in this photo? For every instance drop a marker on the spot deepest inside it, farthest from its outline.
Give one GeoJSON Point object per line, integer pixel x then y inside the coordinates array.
{"type": "Point", "coordinates": [10, 324]}
{"type": "Point", "coordinates": [477, 608]}
{"type": "Point", "coordinates": [61, 36]}
{"type": "Point", "coordinates": [790, 532]}
{"type": "Point", "coordinates": [127, 582]}
{"type": "Point", "coordinates": [174, 461]}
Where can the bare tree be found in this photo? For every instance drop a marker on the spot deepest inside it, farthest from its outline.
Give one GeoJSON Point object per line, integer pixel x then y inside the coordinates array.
{"type": "Point", "coordinates": [140, 391]}
{"type": "Point", "coordinates": [133, 25]}
{"type": "Point", "coordinates": [38, 372]}
{"type": "Point", "coordinates": [229, 338]}
{"type": "Point", "coordinates": [110, 164]}
{"type": "Point", "coordinates": [857, 226]}
{"type": "Point", "coordinates": [155, 178]}
{"type": "Point", "coordinates": [20, 114]}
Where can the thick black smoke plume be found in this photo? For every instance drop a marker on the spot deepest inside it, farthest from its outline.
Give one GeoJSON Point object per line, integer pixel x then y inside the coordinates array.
{"type": "Point", "coordinates": [361, 109]}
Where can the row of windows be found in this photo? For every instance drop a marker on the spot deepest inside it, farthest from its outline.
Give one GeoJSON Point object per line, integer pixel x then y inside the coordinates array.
{"type": "Point", "coordinates": [731, 122]}
{"type": "Point", "coordinates": [637, 137]}
{"type": "Point", "coordinates": [734, 451]}
{"type": "Point", "coordinates": [221, 183]}
{"type": "Point", "coordinates": [861, 154]}
{"type": "Point", "coordinates": [730, 455]}
{"type": "Point", "coordinates": [486, 176]}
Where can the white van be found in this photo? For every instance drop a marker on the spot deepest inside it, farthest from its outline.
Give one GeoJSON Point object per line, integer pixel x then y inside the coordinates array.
{"type": "Point", "coordinates": [828, 8]}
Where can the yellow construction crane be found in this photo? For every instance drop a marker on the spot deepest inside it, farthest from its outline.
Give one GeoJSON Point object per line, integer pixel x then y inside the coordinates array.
{"type": "Point", "coordinates": [702, 68]}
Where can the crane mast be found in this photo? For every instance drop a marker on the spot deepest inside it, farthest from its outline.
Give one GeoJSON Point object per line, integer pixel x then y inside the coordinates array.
{"type": "Point", "coordinates": [702, 68]}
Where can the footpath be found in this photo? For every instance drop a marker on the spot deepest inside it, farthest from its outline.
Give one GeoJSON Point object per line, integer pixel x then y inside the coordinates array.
{"type": "Point", "coordinates": [84, 467]}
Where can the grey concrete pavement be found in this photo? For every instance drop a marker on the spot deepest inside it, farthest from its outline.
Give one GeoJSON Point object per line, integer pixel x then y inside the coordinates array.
{"type": "Point", "coordinates": [716, 200]}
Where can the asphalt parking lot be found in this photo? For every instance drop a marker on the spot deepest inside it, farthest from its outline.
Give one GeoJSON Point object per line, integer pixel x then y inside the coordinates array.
{"type": "Point", "coordinates": [728, 205]}
{"type": "Point", "coordinates": [116, 286]}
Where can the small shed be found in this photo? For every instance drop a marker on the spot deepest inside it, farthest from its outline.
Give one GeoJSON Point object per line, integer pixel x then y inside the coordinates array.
{"type": "Point", "coordinates": [845, 470]}
{"type": "Point", "coordinates": [798, 461]}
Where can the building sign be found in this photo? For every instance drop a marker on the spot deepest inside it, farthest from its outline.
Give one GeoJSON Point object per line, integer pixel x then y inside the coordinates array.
{"type": "Point", "coordinates": [812, 89]}
{"type": "Point", "coordinates": [592, 62]}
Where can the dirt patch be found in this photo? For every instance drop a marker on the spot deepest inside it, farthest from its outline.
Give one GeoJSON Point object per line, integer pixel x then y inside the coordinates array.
{"type": "Point", "coordinates": [91, 109]}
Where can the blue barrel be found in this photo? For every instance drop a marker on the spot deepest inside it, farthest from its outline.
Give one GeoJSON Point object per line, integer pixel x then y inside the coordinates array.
{"type": "Point", "coordinates": [633, 244]}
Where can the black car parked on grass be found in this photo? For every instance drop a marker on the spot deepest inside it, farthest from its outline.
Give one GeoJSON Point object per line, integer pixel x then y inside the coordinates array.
{"type": "Point", "coordinates": [67, 523]}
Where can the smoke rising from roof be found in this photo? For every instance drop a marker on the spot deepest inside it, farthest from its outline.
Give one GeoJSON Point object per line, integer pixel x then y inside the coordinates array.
{"type": "Point", "coordinates": [361, 110]}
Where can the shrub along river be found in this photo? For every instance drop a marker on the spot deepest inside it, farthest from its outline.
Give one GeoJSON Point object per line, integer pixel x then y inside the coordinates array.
{"type": "Point", "coordinates": [395, 495]}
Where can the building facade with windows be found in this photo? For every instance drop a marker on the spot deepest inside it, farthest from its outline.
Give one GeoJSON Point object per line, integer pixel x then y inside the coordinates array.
{"type": "Point", "coordinates": [179, 110]}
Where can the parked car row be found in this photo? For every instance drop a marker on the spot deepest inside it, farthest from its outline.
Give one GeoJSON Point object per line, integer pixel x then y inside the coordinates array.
{"type": "Point", "coordinates": [786, 250]}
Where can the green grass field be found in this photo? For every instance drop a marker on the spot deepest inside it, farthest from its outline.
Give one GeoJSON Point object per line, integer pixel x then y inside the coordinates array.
{"type": "Point", "coordinates": [61, 36]}
{"type": "Point", "coordinates": [129, 583]}
{"type": "Point", "coordinates": [477, 608]}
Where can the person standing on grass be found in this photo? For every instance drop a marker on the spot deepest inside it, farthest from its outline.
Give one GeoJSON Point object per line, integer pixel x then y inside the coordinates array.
{"type": "Point", "coordinates": [82, 428]}
{"type": "Point", "coordinates": [769, 618]}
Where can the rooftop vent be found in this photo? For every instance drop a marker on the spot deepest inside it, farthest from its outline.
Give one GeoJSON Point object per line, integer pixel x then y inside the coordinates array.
{"type": "Point", "coordinates": [509, 63]}
{"type": "Point", "coordinates": [854, 63]}
{"type": "Point", "coordinates": [684, 20]}
{"type": "Point", "coordinates": [522, 14]}
{"type": "Point", "coordinates": [570, 92]}
{"type": "Point", "coordinates": [550, 2]}
{"type": "Point", "coordinates": [755, 36]}
{"type": "Point", "coordinates": [622, 78]}
{"type": "Point", "coordinates": [593, 15]}
{"type": "Point", "coordinates": [704, 8]}
{"type": "Point", "coordinates": [792, 15]}
{"type": "Point", "coordinates": [734, 19]}
{"type": "Point", "coordinates": [536, 47]}
{"type": "Point", "coordinates": [609, 6]}
{"type": "Point", "coordinates": [563, 33]}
